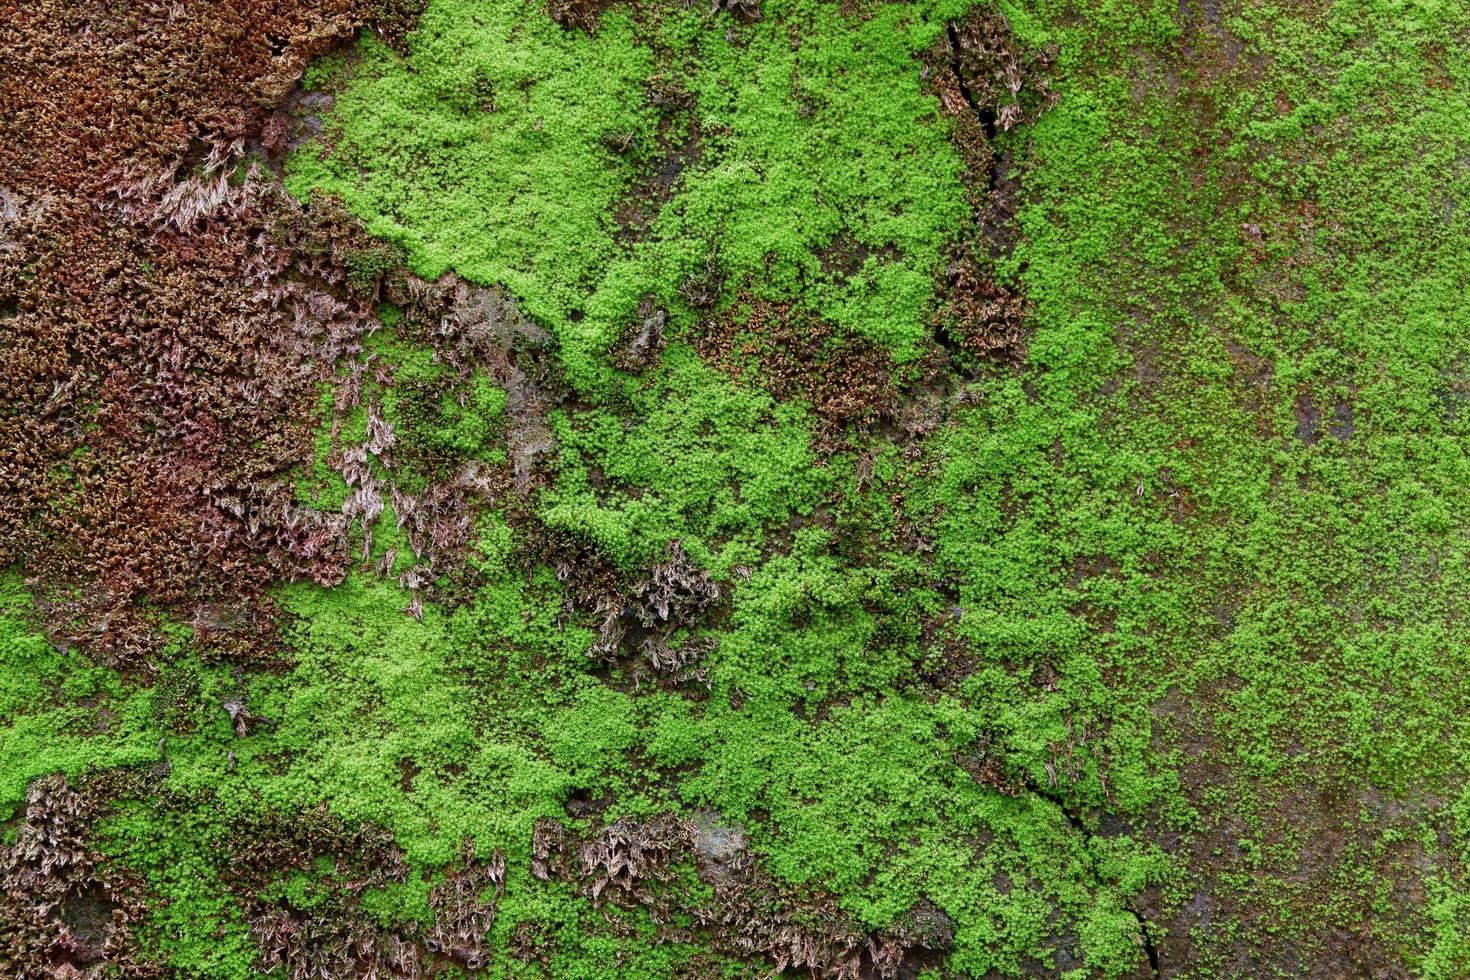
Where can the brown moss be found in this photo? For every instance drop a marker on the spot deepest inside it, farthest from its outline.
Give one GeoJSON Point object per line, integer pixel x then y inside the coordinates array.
{"type": "Point", "coordinates": [581, 15]}
{"type": "Point", "coordinates": [847, 380]}
{"type": "Point", "coordinates": [464, 907]}
{"type": "Point", "coordinates": [93, 88]}
{"type": "Point", "coordinates": [170, 320]}
{"type": "Point", "coordinates": [987, 84]}
{"type": "Point", "coordinates": [64, 911]}
{"type": "Point", "coordinates": [977, 314]}
{"type": "Point", "coordinates": [748, 913]}
{"type": "Point", "coordinates": [333, 936]}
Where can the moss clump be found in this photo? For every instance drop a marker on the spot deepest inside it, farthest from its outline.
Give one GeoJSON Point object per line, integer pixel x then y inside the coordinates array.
{"type": "Point", "coordinates": [708, 464]}
{"type": "Point", "coordinates": [804, 132]}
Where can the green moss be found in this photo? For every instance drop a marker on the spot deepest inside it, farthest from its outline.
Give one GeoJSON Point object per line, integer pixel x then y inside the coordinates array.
{"type": "Point", "coordinates": [198, 927]}
{"type": "Point", "coordinates": [62, 713]}
{"type": "Point", "coordinates": [809, 131]}
{"type": "Point", "coordinates": [709, 464]}
{"type": "Point", "coordinates": [323, 487]}
{"type": "Point", "coordinates": [1146, 617]}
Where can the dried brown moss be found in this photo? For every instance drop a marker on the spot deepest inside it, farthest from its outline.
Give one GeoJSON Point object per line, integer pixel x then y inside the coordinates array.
{"type": "Point", "coordinates": [987, 84]}
{"type": "Point", "coordinates": [748, 914]}
{"type": "Point", "coordinates": [979, 315]}
{"type": "Point", "coordinates": [464, 907]}
{"type": "Point", "coordinates": [333, 936]}
{"type": "Point", "coordinates": [168, 321]}
{"type": "Point", "coordinates": [64, 912]}
{"type": "Point", "coordinates": [581, 15]}
{"type": "Point", "coordinates": [847, 380]}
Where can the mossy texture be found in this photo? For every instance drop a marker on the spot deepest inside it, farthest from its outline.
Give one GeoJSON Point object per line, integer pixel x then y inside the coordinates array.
{"type": "Point", "coordinates": [1142, 653]}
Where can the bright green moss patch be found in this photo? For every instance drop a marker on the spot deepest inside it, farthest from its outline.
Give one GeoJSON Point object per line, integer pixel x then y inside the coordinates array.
{"type": "Point", "coordinates": [708, 464]}
{"type": "Point", "coordinates": [61, 712]}
{"type": "Point", "coordinates": [503, 146]}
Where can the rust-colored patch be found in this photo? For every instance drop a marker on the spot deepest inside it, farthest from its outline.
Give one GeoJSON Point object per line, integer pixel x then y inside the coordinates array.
{"type": "Point", "coordinates": [170, 316]}
{"type": "Point", "coordinates": [847, 380]}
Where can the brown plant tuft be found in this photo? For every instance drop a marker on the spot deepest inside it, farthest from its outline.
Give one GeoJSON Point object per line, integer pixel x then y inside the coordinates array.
{"type": "Point", "coordinates": [64, 911]}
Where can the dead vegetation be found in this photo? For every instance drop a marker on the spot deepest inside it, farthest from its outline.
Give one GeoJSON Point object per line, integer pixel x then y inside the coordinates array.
{"type": "Point", "coordinates": [64, 913]}
{"type": "Point", "coordinates": [986, 85]}
{"type": "Point", "coordinates": [331, 936]}
{"type": "Point", "coordinates": [750, 915]}
{"type": "Point", "coordinates": [648, 620]}
{"type": "Point", "coordinates": [93, 90]}
{"type": "Point", "coordinates": [170, 315]}
{"type": "Point", "coordinates": [847, 380]}
{"type": "Point", "coordinates": [464, 909]}
{"type": "Point", "coordinates": [976, 314]}
{"type": "Point", "coordinates": [332, 940]}
{"type": "Point", "coordinates": [158, 384]}
{"type": "Point", "coordinates": [742, 10]}
{"type": "Point", "coordinates": [642, 341]}
{"type": "Point", "coordinates": [335, 937]}
{"type": "Point", "coordinates": [703, 287]}
{"type": "Point", "coordinates": [473, 327]}
{"type": "Point", "coordinates": [673, 595]}
{"type": "Point", "coordinates": [581, 15]}
{"type": "Point", "coordinates": [435, 491]}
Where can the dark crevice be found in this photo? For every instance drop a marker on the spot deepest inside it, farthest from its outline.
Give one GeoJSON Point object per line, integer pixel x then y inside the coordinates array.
{"type": "Point", "coordinates": [1148, 941]}
{"type": "Point", "coordinates": [987, 118]}
{"type": "Point", "coordinates": [1075, 819]}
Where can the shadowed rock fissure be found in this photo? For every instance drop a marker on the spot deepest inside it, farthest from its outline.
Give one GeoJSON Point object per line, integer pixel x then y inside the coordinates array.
{"type": "Point", "coordinates": [1074, 818]}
